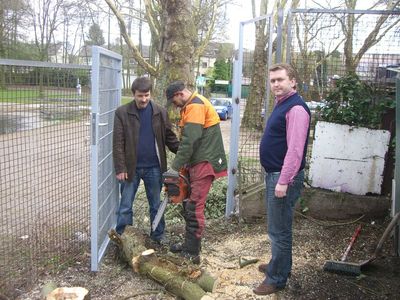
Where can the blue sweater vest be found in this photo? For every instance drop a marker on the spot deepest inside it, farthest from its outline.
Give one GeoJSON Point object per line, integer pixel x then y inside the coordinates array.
{"type": "Point", "coordinates": [273, 146]}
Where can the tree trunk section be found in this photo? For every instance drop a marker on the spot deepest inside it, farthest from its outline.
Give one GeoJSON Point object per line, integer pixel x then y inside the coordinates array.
{"type": "Point", "coordinates": [179, 277]}
{"type": "Point", "coordinates": [252, 118]}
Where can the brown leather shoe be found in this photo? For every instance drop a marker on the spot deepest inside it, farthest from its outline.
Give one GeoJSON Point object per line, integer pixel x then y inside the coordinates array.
{"type": "Point", "coordinates": [266, 289]}
{"type": "Point", "coordinates": [263, 268]}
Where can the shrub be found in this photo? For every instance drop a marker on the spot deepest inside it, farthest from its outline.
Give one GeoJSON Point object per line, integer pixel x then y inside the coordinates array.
{"type": "Point", "coordinates": [355, 103]}
{"type": "Point", "coordinates": [216, 199]}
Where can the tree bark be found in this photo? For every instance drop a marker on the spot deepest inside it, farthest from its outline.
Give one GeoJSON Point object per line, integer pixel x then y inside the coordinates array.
{"type": "Point", "coordinates": [180, 278]}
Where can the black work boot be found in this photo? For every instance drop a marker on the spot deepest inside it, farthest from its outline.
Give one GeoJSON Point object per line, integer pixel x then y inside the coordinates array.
{"type": "Point", "coordinates": [191, 248]}
{"type": "Point", "coordinates": [176, 247]}
{"type": "Point", "coordinates": [194, 259]}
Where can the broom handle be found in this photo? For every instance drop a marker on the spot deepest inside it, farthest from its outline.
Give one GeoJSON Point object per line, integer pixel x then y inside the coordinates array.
{"type": "Point", "coordinates": [353, 239]}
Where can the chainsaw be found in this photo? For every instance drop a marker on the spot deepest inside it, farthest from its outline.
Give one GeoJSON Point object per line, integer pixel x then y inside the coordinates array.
{"type": "Point", "coordinates": [176, 191]}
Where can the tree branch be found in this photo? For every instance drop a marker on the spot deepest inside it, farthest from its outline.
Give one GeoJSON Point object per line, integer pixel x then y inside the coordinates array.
{"type": "Point", "coordinates": [135, 51]}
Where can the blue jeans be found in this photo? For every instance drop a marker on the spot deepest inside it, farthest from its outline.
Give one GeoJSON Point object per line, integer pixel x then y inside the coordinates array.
{"type": "Point", "coordinates": [153, 183]}
{"type": "Point", "coordinates": [279, 221]}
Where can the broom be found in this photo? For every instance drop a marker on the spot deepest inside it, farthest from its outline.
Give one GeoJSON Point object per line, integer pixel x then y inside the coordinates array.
{"type": "Point", "coordinates": [343, 267]}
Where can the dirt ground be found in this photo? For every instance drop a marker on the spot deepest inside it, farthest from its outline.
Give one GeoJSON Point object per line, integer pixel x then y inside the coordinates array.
{"type": "Point", "coordinates": [223, 245]}
{"type": "Point", "coordinates": [315, 241]}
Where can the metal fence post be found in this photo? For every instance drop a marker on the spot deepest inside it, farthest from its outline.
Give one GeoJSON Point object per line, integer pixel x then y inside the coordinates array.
{"type": "Point", "coordinates": [234, 143]}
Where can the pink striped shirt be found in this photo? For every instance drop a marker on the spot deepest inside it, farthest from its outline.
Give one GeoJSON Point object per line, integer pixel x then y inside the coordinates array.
{"type": "Point", "coordinates": [297, 122]}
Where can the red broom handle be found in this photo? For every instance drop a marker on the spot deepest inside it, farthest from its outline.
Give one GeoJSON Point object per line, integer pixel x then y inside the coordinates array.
{"type": "Point", "coordinates": [353, 239]}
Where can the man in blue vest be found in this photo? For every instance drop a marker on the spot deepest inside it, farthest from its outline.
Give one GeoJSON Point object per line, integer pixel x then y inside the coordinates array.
{"type": "Point", "coordinates": [283, 150]}
{"type": "Point", "coordinates": [142, 130]}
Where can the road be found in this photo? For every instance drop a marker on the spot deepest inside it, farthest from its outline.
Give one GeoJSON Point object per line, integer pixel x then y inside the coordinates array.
{"type": "Point", "coordinates": [226, 133]}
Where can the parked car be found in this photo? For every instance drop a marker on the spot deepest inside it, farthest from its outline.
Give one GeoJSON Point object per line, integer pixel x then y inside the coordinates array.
{"type": "Point", "coordinates": [223, 106]}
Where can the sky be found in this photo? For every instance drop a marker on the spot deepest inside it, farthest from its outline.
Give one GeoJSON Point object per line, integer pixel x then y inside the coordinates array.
{"type": "Point", "coordinates": [237, 11]}
{"type": "Point", "coordinates": [240, 10]}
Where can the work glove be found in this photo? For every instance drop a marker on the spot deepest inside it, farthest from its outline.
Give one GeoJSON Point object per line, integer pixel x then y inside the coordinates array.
{"type": "Point", "coordinates": [171, 182]}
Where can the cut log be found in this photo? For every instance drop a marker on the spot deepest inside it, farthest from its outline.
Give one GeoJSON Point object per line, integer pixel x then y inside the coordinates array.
{"type": "Point", "coordinates": [69, 293]}
{"type": "Point", "coordinates": [245, 262]}
{"type": "Point", "coordinates": [207, 282]}
{"type": "Point", "coordinates": [178, 276]}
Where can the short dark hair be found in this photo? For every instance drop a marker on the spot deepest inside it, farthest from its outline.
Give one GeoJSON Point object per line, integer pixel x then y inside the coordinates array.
{"type": "Point", "coordinates": [141, 84]}
{"type": "Point", "coordinates": [291, 72]}
{"type": "Point", "coordinates": [173, 88]}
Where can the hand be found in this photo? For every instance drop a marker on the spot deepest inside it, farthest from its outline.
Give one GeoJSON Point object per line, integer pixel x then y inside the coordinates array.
{"type": "Point", "coordinates": [122, 176]}
{"type": "Point", "coordinates": [280, 190]}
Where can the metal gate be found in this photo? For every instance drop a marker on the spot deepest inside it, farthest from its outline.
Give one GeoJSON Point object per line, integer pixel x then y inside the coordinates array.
{"type": "Point", "coordinates": [314, 45]}
{"type": "Point", "coordinates": [317, 51]}
{"type": "Point", "coordinates": [44, 169]}
{"type": "Point", "coordinates": [106, 97]}
{"type": "Point", "coordinates": [245, 174]}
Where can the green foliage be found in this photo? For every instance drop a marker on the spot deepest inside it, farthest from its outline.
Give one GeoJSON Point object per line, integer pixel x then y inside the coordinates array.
{"type": "Point", "coordinates": [215, 204]}
{"type": "Point", "coordinates": [222, 70]}
{"type": "Point", "coordinates": [95, 36]}
{"type": "Point", "coordinates": [52, 77]}
{"type": "Point", "coordinates": [216, 199]}
{"type": "Point", "coordinates": [355, 103]}
{"type": "Point", "coordinates": [21, 50]}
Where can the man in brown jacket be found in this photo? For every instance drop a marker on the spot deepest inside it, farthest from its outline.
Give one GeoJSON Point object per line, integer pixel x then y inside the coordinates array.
{"type": "Point", "coordinates": [142, 129]}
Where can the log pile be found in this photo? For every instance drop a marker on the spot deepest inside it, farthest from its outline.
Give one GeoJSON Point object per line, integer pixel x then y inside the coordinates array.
{"type": "Point", "coordinates": [179, 277]}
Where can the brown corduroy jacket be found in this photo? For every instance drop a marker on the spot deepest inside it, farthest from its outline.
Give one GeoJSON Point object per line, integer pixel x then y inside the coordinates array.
{"type": "Point", "coordinates": [126, 134]}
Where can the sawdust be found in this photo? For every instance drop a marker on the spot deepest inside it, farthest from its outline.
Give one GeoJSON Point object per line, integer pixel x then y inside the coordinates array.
{"type": "Point", "coordinates": [223, 245]}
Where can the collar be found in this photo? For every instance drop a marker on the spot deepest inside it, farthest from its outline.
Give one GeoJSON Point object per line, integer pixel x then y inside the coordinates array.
{"type": "Point", "coordinates": [132, 108]}
{"type": "Point", "coordinates": [282, 98]}
{"type": "Point", "coordinates": [192, 96]}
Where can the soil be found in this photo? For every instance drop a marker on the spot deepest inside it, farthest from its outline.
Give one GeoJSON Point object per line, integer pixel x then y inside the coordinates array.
{"type": "Point", "coordinates": [314, 242]}
{"type": "Point", "coordinates": [225, 242]}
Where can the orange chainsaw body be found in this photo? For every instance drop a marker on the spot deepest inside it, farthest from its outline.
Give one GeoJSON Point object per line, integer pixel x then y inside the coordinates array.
{"type": "Point", "coordinates": [181, 187]}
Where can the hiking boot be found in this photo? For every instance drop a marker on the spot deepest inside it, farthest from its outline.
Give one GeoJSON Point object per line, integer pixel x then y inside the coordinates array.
{"type": "Point", "coordinates": [266, 289]}
{"type": "Point", "coordinates": [176, 247]}
{"type": "Point", "coordinates": [194, 259]}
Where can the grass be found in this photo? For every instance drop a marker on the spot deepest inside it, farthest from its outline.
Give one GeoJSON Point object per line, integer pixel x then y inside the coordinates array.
{"type": "Point", "coordinates": [126, 99]}
{"type": "Point", "coordinates": [27, 96]}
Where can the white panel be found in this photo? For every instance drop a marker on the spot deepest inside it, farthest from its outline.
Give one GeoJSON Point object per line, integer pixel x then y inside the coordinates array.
{"type": "Point", "coordinates": [348, 159]}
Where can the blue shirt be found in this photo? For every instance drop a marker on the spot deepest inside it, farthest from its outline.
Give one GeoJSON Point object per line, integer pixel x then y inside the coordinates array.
{"type": "Point", "coordinates": [146, 147]}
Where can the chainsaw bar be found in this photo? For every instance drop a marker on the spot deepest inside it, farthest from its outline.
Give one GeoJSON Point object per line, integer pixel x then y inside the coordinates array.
{"type": "Point", "coordinates": [160, 213]}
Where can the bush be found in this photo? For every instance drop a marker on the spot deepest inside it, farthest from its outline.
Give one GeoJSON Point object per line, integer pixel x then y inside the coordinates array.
{"type": "Point", "coordinates": [216, 199]}
{"type": "Point", "coordinates": [215, 204]}
{"type": "Point", "coordinates": [355, 103]}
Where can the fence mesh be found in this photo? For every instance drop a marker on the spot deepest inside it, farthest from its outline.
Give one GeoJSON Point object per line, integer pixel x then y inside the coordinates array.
{"type": "Point", "coordinates": [326, 45]}
{"type": "Point", "coordinates": [251, 109]}
{"type": "Point", "coordinates": [44, 163]}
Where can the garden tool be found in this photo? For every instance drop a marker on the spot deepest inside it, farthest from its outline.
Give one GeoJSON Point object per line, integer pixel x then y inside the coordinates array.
{"type": "Point", "coordinates": [350, 268]}
{"type": "Point", "coordinates": [342, 265]}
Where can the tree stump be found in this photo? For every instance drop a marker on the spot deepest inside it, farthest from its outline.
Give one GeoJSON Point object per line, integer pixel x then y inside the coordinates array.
{"type": "Point", "coordinates": [178, 276]}
{"type": "Point", "coordinates": [69, 293]}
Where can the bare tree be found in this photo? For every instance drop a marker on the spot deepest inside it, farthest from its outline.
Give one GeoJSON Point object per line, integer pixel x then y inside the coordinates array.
{"type": "Point", "coordinates": [11, 23]}
{"type": "Point", "coordinates": [252, 117]}
{"type": "Point", "coordinates": [174, 35]}
{"type": "Point", "coordinates": [383, 25]}
{"type": "Point", "coordinates": [46, 19]}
